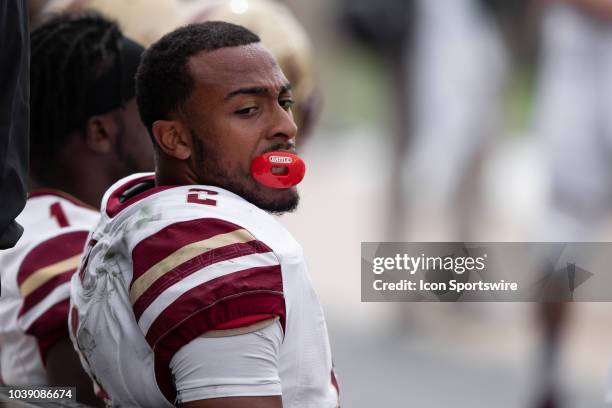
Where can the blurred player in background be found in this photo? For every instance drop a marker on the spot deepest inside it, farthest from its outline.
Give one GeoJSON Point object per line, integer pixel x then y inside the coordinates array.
{"type": "Point", "coordinates": [387, 28]}
{"type": "Point", "coordinates": [147, 20]}
{"type": "Point", "coordinates": [86, 134]}
{"type": "Point", "coordinates": [573, 116]}
{"type": "Point", "coordinates": [440, 54]}
{"type": "Point", "coordinates": [456, 83]}
{"type": "Point", "coordinates": [573, 119]}
{"type": "Point", "coordinates": [203, 297]}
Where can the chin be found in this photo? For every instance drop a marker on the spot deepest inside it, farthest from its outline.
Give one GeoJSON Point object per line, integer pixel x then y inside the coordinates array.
{"type": "Point", "coordinates": [272, 200]}
{"type": "Point", "coordinates": [277, 201]}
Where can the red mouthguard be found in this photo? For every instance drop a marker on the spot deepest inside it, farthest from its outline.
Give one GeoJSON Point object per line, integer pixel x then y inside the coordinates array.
{"type": "Point", "coordinates": [288, 168]}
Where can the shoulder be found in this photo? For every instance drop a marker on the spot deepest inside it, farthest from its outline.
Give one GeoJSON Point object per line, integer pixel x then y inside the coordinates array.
{"type": "Point", "coordinates": [36, 272]}
{"type": "Point", "coordinates": [135, 210]}
{"type": "Point", "coordinates": [56, 228]}
{"type": "Point", "coordinates": [139, 191]}
{"type": "Point", "coordinates": [159, 236]}
{"type": "Point", "coordinates": [48, 212]}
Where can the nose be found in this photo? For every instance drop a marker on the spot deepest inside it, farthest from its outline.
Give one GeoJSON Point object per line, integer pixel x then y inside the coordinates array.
{"type": "Point", "coordinates": [283, 125]}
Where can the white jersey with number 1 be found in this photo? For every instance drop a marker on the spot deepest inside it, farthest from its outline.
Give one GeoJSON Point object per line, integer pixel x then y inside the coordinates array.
{"type": "Point", "coordinates": [35, 283]}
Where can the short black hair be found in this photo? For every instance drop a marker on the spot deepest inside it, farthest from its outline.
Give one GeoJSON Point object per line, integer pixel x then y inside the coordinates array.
{"type": "Point", "coordinates": [163, 80]}
{"type": "Point", "coordinates": [68, 54]}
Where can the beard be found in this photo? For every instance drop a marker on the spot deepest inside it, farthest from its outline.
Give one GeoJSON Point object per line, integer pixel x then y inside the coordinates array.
{"type": "Point", "coordinates": [211, 171]}
{"type": "Point", "coordinates": [275, 202]}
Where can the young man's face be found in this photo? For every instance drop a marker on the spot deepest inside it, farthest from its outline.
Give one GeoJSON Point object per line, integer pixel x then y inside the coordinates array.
{"type": "Point", "coordinates": [240, 108]}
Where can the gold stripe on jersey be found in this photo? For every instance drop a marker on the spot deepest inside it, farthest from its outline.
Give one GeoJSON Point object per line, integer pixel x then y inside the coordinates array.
{"type": "Point", "coordinates": [184, 254]}
{"type": "Point", "coordinates": [41, 276]}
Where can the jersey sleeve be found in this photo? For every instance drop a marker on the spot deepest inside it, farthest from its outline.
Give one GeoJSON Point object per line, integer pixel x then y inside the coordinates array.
{"type": "Point", "coordinates": [43, 280]}
{"type": "Point", "coordinates": [197, 276]}
{"type": "Point", "coordinates": [237, 366]}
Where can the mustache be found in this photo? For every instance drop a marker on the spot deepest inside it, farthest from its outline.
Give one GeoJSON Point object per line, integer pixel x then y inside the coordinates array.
{"type": "Point", "coordinates": [290, 147]}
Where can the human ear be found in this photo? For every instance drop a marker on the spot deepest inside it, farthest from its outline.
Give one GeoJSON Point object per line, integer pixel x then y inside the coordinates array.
{"type": "Point", "coordinates": [101, 133]}
{"type": "Point", "coordinates": [172, 138]}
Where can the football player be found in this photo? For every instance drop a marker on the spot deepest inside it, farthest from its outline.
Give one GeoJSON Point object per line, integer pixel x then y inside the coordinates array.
{"type": "Point", "coordinates": [191, 292]}
{"type": "Point", "coordinates": [85, 135]}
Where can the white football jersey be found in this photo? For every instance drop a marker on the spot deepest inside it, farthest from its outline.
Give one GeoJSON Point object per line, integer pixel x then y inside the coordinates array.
{"type": "Point", "coordinates": [166, 265]}
{"type": "Point", "coordinates": [35, 282]}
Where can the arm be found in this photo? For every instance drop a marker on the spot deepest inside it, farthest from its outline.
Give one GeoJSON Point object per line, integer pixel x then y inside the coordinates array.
{"type": "Point", "coordinates": [233, 282]}
{"type": "Point", "coordinates": [64, 370]}
{"type": "Point", "coordinates": [237, 371]}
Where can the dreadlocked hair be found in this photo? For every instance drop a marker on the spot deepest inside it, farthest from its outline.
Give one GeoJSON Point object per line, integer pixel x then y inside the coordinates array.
{"type": "Point", "coordinates": [68, 54]}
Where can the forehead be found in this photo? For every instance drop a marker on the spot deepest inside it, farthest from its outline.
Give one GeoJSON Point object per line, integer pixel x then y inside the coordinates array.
{"type": "Point", "coordinates": [229, 68]}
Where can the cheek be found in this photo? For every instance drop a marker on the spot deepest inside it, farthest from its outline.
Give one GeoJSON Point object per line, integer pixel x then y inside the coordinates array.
{"type": "Point", "coordinates": [240, 142]}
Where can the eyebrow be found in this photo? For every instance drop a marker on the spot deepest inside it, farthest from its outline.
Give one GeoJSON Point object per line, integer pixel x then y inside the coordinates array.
{"type": "Point", "coordinates": [255, 90]}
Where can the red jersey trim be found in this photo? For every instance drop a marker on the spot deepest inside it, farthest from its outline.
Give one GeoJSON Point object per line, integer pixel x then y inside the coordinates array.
{"type": "Point", "coordinates": [114, 206]}
{"type": "Point", "coordinates": [244, 321]}
{"type": "Point", "coordinates": [334, 381]}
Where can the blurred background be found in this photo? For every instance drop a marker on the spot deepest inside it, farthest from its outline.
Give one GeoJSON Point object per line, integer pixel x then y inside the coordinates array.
{"type": "Point", "coordinates": [468, 121]}
{"type": "Point", "coordinates": [432, 120]}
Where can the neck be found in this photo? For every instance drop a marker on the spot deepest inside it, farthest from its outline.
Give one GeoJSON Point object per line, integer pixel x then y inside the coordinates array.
{"type": "Point", "coordinates": [170, 171]}
{"type": "Point", "coordinates": [82, 184]}
{"type": "Point", "coordinates": [81, 174]}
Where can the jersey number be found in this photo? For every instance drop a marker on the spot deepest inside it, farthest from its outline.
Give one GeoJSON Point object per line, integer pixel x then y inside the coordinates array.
{"type": "Point", "coordinates": [200, 196]}
{"type": "Point", "coordinates": [58, 213]}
